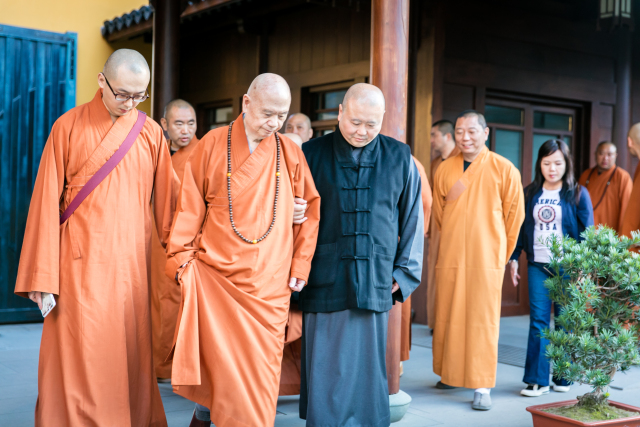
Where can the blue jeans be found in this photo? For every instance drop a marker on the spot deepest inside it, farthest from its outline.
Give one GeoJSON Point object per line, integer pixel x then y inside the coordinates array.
{"type": "Point", "coordinates": [537, 367]}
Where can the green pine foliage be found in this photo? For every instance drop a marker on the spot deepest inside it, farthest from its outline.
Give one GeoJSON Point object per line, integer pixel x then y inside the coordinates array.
{"type": "Point", "coordinates": [597, 284]}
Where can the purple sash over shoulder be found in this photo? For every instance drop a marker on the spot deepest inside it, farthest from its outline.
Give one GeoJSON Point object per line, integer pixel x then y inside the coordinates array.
{"type": "Point", "coordinates": [104, 171]}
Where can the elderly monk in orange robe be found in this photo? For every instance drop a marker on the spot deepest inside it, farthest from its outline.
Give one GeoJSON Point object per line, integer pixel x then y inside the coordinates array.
{"type": "Point", "coordinates": [237, 257]}
{"type": "Point", "coordinates": [444, 146]}
{"type": "Point", "coordinates": [96, 363]}
{"type": "Point", "coordinates": [609, 187]}
{"type": "Point", "coordinates": [478, 206]}
{"type": "Point", "coordinates": [179, 122]}
{"type": "Point", "coordinates": [631, 220]}
{"type": "Point", "coordinates": [427, 200]}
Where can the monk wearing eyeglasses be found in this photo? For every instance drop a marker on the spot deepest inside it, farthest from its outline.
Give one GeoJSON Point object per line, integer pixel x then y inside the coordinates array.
{"type": "Point", "coordinates": [96, 364]}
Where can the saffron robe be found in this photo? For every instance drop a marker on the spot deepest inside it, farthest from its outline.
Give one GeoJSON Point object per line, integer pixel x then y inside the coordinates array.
{"type": "Point", "coordinates": [290, 371]}
{"type": "Point", "coordinates": [165, 293]}
{"type": "Point", "coordinates": [432, 256]}
{"type": "Point", "coordinates": [235, 295]}
{"type": "Point", "coordinates": [96, 363]}
{"type": "Point", "coordinates": [631, 220]}
{"type": "Point", "coordinates": [479, 214]}
{"type": "Point", "coordinates": [427, 200]}
{"type": "Point", "coordinates": [608, 210]}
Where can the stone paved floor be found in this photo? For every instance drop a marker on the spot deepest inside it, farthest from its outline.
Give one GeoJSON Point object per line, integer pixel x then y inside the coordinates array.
{"type": "Point", "coordinates": [430, 407]}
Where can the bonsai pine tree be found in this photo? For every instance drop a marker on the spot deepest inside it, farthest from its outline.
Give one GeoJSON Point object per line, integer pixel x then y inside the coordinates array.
{"type": "Point", "coordinates": [597, 284]}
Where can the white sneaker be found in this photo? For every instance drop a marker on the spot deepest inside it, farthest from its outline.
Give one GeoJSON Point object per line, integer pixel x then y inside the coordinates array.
{"type": "Point", "coordinates": [534, 390]}
{"type": "Point", "coordinates": [561, 388]}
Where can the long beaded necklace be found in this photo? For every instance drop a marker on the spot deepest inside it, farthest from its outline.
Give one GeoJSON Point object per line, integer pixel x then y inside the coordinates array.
{"type": "Point", "coordinates": [275, 201]}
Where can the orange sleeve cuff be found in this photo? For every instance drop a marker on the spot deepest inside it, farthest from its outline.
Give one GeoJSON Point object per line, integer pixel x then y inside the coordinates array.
{"type": "Point", "coordinates": [39, 283]}
{"type": "Point", "coordinates": [300, 269]}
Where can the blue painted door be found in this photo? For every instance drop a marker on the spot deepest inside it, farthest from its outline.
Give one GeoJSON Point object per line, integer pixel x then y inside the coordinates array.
{"type": "Point", "coordinates": [37, 85]}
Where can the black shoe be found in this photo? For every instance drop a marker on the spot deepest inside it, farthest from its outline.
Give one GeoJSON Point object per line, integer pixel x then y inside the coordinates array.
{"type": "Point", "coordinates": [443, 386]}
{"type": "Point", "coordinates": [198, 423]}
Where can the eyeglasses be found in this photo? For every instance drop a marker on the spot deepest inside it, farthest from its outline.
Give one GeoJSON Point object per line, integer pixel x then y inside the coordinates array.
{"type": "Point", "coordinates": [121, 97]}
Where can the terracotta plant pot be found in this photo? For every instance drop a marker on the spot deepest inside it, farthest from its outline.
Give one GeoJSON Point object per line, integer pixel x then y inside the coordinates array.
{"type": "Point", "coordinates": [545, 419]}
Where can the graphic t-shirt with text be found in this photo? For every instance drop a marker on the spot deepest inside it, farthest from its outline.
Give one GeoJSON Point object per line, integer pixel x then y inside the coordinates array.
{"type": "Point", "coordinates": [547, 215]}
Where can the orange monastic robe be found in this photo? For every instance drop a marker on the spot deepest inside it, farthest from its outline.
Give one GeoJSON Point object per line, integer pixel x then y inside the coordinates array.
{"type": "Point", "coordinates": [165, 294]}
{"type": "Point", "coordinates": [235, 295]}
{"type": "Point", "coordinates": [427, 200]}
{"type": "Point", "coordinates": [427, 196]}
{"type": "Point", "coordinates": [96, 363]}
{"type": "Point", "coordinates": [432, 257]}
{"type": "Point", "coordinates": [631, 220]}
{"type": "Point", "coordinates": [479, 213]}
{"type": "Point", "coordinates": [290, 371]}
{"type": "Point", "coordinates": [609, 201]}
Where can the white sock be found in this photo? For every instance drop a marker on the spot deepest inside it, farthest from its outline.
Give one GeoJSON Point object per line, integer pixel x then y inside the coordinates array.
{"type": "Point", "coordinates": [483, 390]}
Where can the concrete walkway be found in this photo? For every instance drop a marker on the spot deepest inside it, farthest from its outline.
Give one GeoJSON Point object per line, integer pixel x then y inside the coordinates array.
{"type": "Point", "coordinates": [430, 407]}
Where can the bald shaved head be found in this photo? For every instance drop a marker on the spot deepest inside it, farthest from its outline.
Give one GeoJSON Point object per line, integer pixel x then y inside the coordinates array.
{"type": "Point", "coordinates": [300, 116]}
{"type": "Point", "coordinates": [269, 86]}
{"type": "Point", "coordinates": [179, 123]}
{"type": "Point", "coordinates": [633, 140]}
{"type": "Point", "coordinates": [130, 59]}
{"type": "Point", "coordinates": [606, 155]}
{"type": "Point", "coordinates": [300, 124]}
{"type": "Point", "coordinates": [265, 106]}
{"type": "Point", "coordinates": [124, 75]}
{"type": "Point", "coordinates": [634, 132]}
{"type": "Point", "coordinates": [360, 114]}
{"type": "Point", "coordinates": [366, 94]}
{"type": "Point", "coordinates": [177, 103]}
{"type": "Point", "coordinates": [605, 144]}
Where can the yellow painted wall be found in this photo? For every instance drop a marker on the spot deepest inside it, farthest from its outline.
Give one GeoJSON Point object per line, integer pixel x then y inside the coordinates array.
{"type": "Point", "coordinates": [84, 17]}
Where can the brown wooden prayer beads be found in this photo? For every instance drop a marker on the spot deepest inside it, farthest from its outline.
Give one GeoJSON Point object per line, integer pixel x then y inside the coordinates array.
{"type": "Point", "coordinates": [275, 201]}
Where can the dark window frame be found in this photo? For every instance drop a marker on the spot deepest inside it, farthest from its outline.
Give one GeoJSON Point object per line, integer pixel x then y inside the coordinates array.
{"type": "Point", "coordinates": [203, 128]}
{"type": "Point", "coordinates": [527, 129]}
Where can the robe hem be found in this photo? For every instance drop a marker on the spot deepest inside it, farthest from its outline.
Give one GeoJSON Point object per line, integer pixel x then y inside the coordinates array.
{"type": "Point", "coordinates": [218, 418]}
{"type": "Point", "coordinates": [475, 383]}
{"type": "Point", "coordinates": [383, 423]}
{"type": "Point", "coordinates": [289, 390]}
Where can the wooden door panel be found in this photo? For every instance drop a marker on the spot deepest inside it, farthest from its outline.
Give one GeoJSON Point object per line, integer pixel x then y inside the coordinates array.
{"type": "Point", "coordinates": [37, 85]}
{"type": "Point", "coordinates": [515, 300]}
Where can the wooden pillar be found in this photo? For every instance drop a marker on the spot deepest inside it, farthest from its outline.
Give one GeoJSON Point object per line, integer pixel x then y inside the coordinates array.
{"type": "Point", "coordinates": [389, 68]}
{"type": "Point", "coordinates": [437, 109]}
{"type": "Point", "coordinates": [622, 110]}
{"type": "Point", "coordinates": [166, 26]}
